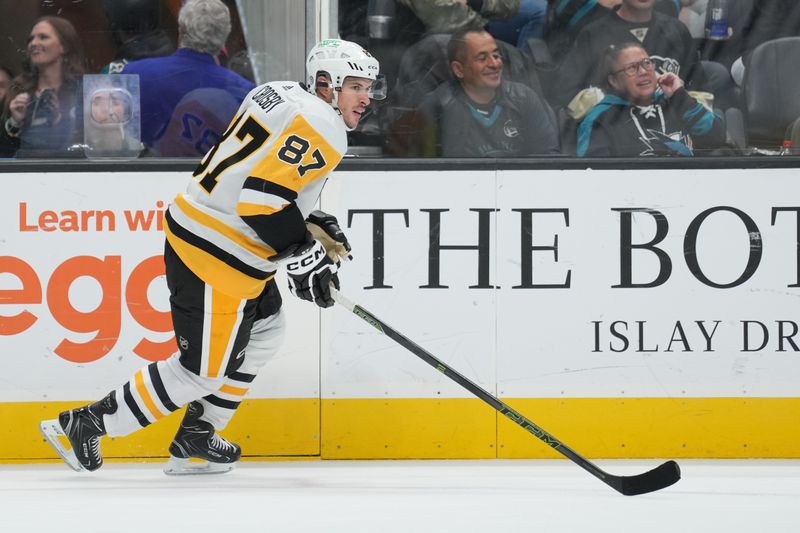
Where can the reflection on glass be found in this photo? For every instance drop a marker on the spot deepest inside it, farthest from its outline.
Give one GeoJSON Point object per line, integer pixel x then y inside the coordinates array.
{"type": "Point", "coordinates": [111, 106]}
{"type": "Point", "coordinates": [111, 116]}
{"type": "Point", "coordinates": [269, 38]}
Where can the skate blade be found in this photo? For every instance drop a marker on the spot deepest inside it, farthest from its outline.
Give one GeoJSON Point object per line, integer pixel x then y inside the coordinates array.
{"type": "Point", "coordinates": [185, 467]}
{"type": "Point", "coordinates": [51, 430]}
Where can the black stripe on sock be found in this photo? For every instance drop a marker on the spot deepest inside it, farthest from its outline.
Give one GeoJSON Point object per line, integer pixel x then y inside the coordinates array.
{"type": "Point", "coordinates": [241, 376]}
{"type": "Point", "coordinates": [131, 403]}
{"type": "Point", "coordinates": [219, 402]}
{"type": "Point", "coordinates": [158, 385]}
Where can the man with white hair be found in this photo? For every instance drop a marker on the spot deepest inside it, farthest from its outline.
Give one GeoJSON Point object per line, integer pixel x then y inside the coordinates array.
{"type": "Point", "coordinates": [247, 211]}
{"type": "Point", "coordinates": [187, 98]}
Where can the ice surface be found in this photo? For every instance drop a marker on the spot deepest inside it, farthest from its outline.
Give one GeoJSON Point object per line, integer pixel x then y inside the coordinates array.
{"type": "Point", "coordinates": [400, 496]}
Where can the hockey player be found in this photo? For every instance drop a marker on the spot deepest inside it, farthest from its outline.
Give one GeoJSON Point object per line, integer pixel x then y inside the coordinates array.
{"type": "Point", "coordinates": [247, 211]}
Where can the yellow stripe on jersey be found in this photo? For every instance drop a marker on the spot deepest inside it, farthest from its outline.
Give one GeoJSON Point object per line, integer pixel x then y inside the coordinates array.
{"type": "Point", "coordinates": [145, 395]}
{"type": "Point", "coordinates": [210, 222]}
{"type": "Point", "coordinates": [251, 210]}
{"type": "Point", "coordinates": [224, 317]}
{"type": "Point", "coordinates": [272, 168]}
{"type": "Point", "coordinates": [235, 391]}
{"type": "Point", "coordinates": [214, 272]}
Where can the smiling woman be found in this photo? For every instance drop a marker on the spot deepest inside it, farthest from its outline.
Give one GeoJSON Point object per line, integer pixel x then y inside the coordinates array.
{"type": "Point", "coordinates": [42, 114]}
{"type": "Point", "coordinates": [645, 113]}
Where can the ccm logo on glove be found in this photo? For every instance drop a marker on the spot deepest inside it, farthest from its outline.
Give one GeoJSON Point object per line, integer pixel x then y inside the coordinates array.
{"type": "Point", "coordinates": [307, 262]}
{"type": "Point", "coordinates": [310, 271]}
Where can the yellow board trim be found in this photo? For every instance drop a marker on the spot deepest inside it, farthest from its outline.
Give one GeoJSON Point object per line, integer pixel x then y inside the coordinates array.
{"type": "Point", "coordinates": [264, 428]}
{"type": "Point", "coordinates": [408, 428]}
{"type": "Point", "coordinates": [721, 428]}
{"type": "Point", "coordinates": [458, 428]}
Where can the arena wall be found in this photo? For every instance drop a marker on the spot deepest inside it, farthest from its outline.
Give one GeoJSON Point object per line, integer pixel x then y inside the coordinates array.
{"type": "Point", "coordinates": [629, 313]}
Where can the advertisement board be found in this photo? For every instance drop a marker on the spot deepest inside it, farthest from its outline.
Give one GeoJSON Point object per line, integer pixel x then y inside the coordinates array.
{"type": "Point", "coordinates": [603, 302]}
{"type": "Point", "coordinates": [576, 283]}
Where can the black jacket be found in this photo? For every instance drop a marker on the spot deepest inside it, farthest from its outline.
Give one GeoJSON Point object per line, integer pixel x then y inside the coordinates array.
{"type": "Point", "coordinates": [667, 40]}
{"type": "Point", "coordinates": [675, 126]}
{"type": "Point", "coordinates": [520, 123]}
{"type": "Point", "coordinates": [566, 18]}
{"type": "Point", "coordinates": [43, 134]}
{"type": "Point", "coordinates": [771, 19]}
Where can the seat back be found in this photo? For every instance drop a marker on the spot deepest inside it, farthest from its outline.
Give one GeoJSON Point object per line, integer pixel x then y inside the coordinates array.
{"type": "Point", "coordinates": [771, 90]}
{"type": "Point", "coordinates": [422, 68]}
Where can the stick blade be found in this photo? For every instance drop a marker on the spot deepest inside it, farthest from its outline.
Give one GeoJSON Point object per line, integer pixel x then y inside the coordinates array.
{"type": "Point", "coordinates": [656, 479]}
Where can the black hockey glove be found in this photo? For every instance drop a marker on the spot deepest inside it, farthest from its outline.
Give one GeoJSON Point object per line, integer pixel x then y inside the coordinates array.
{"type": "Point", "coordinates": [325, 228]}
{"type": "Point", "coordinates": [310, 272]}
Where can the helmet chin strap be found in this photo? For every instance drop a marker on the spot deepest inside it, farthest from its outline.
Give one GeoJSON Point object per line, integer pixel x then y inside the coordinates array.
{"type": "Point", "coordinates": [335, 105]}
{"type": "Point", "coordinates": [335, 102]}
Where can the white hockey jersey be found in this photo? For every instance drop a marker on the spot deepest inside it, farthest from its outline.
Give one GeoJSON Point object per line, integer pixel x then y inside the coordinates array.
{"type": "Point", "coordinates": [253, 190]}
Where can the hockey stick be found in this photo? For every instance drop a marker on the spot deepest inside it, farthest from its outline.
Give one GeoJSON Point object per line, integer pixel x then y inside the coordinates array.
{"type": "Point", "coordinates": [662, 476]}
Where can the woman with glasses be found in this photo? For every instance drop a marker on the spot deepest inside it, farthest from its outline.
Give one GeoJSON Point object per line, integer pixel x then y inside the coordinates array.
{"type": "Point", "coordinates": [645, 113]}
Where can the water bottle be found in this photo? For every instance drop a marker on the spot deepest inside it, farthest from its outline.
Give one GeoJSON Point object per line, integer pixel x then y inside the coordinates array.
{"type": "Point", "coordinates": [786, 149]}
{"type": "Point", "coordinates": [717, 20]}
{"type": "Point", "coordinates": [380, 18]}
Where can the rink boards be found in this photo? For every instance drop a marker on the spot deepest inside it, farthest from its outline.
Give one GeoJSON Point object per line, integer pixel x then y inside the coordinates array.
{"type": "Point", "coordinates": [631, 313]}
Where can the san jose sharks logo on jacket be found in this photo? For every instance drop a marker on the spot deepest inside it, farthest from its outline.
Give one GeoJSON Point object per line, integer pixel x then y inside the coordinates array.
{"type": "Point", "coordinates": [652, 128]}
{"type": "Point", "coordinates": [617, 127]}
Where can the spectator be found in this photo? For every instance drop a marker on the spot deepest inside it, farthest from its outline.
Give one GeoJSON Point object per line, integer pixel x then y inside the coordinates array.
{"type": "Point", "coordinates": [528, 23]}
{"type": "Point", "coordinates": [567, 18]}
{"type": "Point", "coordinates": [481, 115]}
{"type": "Point", "coordinates": [665, 38]}
{"type": "Point", "coordinates": [136, 30]}
{"type": "Point", "coordinates": [44, 107]}
{"type": "Point", "coordinates": [514, 21]}
{"type": "Point", "coordinates": [693, 15]}
{"type": "Point", "coordinates": [187, 99]}
{"type": "Point", "coordinates": [8, 145]}
{"type": "Point", "coordinates": [6, 75]}
{"type": "Point", "coordinates": [645, 113]}
{"type": "Point", "coordinates": [770, 19]}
